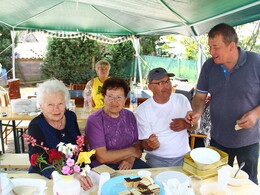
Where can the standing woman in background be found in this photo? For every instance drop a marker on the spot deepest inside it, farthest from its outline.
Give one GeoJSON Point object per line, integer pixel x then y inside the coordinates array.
{"type": "Point", "coordinates": [92, 93]}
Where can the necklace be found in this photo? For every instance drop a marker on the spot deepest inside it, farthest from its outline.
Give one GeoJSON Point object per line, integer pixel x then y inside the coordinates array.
{"type": "Point", "coordinates": [62, 133]}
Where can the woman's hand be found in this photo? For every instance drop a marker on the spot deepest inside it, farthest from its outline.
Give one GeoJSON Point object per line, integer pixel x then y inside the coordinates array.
{"type": "Point", "coordinates": [85, 181]}
{"type": "Point", "coordinates": [127, 163]}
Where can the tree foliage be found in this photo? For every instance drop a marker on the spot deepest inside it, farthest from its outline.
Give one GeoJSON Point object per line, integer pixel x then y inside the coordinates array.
{"type": "Point", "coordinates": [150, 45]}
{"type": "Point", "coordinates": [5, 56]}
{"type": "Point", "coordinates": [70, 60]}
{"type": "Point", "coordinates": [247, 40]}
{"type": "Point", "coordinates": [120, 57]}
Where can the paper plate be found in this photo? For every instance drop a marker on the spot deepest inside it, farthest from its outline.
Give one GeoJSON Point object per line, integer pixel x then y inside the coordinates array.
{"type": "Point", "coordinates": [181, 177]}
{"type": "Point", "coordinates": [116, 185]}
{"type": "Point", "coordinates": [39, 183]}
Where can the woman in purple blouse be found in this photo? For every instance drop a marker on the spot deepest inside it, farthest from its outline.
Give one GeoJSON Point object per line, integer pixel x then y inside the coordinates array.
{"type": "Point", "coordinates": [112, 130]}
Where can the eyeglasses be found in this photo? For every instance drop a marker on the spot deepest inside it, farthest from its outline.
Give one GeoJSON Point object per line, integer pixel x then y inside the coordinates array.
{"type": "Point", "coordinates": [162, 82]}
{"type": "Point", "coordinates": [117, 98]}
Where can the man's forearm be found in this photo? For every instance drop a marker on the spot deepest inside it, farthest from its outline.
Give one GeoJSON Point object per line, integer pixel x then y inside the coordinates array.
{"type": "Point", "coordinates": [198, 105]}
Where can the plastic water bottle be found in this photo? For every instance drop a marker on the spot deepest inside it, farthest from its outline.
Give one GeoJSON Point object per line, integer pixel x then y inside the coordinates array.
{"type": "Point", "coordinates": [133, 98]}
{"type": "Point", "coordinates": [87, 105]}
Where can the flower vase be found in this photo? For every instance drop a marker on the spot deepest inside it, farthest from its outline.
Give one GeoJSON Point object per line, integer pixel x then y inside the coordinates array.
{"type": "Point", "coordinates": [65, 184]}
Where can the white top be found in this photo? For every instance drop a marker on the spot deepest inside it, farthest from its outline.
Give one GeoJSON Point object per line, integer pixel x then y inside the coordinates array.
{"type": "Point", "coordinates": [154, 118]}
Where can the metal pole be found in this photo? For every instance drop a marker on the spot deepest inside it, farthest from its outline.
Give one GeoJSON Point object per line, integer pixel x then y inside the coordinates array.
{"type": "Point", "coordinates": [136, 44]}
{"type": "Point", "coordinates": [13, 54]}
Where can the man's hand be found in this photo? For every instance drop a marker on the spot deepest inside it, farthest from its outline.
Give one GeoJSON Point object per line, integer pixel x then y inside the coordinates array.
{"type": "Point", "coordinates": [179, 124]}
{"type": "Point", "coordinates": [248, 120]}
{"type": "Point", "coordinates": [192, 117]}
{"type": "Point", "coordinates": [151, 143]}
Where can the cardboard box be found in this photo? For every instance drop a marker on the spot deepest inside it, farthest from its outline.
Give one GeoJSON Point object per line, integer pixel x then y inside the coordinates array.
{"type": "Point", "coordinates": [204, 172]}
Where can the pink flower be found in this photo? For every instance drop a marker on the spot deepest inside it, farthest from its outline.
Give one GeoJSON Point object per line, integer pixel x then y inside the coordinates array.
{"type": "Point", "coordinates": [70, 162]}
{"type": "Point", "coordinates": [57, 158]}
{"type": "Point", "coordinates": [77, 168]}
{"type": "Point", "coordinates": [66, 170]}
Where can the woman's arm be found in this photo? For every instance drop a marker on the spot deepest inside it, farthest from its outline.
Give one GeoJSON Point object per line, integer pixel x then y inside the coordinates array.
{"type": "Point", "coordinates": [35, 131]}
{"type": "Point", "coordinates": [112, 156]}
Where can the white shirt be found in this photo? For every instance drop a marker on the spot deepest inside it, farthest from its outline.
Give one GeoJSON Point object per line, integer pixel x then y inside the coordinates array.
{"type": "Point", "coordinates": [154, 118]}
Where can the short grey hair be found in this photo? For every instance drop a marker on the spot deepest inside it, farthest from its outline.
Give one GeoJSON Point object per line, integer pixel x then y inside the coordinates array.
{"type": "Point", "coordinates": [102, 63]}
{"type": "Point", "coordinates": [50, 87]}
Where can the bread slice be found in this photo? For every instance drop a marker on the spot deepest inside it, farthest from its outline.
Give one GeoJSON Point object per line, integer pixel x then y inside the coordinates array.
{"type": "Point", "coordinates": [237, 127]}
{"type": "Point", "coordinates": [24, 190]}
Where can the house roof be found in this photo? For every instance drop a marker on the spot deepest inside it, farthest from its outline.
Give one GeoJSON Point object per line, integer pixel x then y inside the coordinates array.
{"type": "Point", "coordinates": [30, 46]}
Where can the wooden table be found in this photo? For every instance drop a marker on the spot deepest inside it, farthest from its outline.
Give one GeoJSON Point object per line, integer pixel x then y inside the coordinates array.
{"type": "Point", "coordinates": [11, 161]}
{"type": "Point", "coordinates": [13, 117]}
{"type": "Point", "coordinates": [247, 188]}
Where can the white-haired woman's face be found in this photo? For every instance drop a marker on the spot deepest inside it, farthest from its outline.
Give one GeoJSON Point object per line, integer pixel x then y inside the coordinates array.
{"type": "Point", "coordinates": [53, 106]}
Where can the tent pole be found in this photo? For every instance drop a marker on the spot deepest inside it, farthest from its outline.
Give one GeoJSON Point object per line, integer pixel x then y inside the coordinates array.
{"type": "Point", "coordinates": [13, 54]}
{"type": "Point", "coordinates": [201, 56]}
{"type": "Point", "coordinates": [136, 45]}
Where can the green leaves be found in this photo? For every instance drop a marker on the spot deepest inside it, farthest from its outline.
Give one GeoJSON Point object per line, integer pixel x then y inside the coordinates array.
{"type": "Point", "coordinates": [70, 60]}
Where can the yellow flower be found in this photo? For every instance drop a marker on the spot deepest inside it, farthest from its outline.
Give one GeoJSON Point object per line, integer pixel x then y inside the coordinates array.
{"type": "Point", "coordinates": [85, 157]}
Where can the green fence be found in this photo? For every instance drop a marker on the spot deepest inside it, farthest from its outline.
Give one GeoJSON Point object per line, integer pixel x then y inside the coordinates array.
{"type": "Point", "coordinates": [181, 68]}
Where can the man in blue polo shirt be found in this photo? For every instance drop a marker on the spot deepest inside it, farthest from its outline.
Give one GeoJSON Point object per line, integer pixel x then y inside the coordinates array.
{"type": "Point", "coordinates": [232, 77]}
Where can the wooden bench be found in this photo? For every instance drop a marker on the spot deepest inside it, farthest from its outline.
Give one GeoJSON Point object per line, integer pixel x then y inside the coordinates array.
{"type": "Point", "coordinates": [11, 160]}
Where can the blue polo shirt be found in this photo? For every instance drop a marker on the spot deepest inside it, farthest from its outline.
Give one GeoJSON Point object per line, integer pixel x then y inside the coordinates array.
{"type": "Point", "coordinates": [233, 94]}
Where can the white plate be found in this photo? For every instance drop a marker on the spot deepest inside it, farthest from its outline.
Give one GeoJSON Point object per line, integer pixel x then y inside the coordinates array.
{"type": "Point", "coordinates": [214, 188]}
{"type": "Point", "coordinates": [39, 183]}
{"type": "Point", "coordinates": [181, 177]}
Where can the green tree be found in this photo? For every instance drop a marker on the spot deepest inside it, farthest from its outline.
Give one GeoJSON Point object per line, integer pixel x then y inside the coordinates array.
{"type": "Point", "coordinates": [120, 57]}
{"type": "Point", "coordinates": [249, 39]}
{"type": "Point", "coordinates": [151, 46]}
{"type": "Point", "coordinates": [70, 60]}
{"type": "Point", "coordinates": [5, 54]}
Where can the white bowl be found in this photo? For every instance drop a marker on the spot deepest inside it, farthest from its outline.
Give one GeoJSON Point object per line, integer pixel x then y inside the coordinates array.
{"type": "Point", "coordinates": [204, 156]}
{"type": "Point", "coordinates": [241, 177]}
{"type": "Point", "coordinates": [214, 188]}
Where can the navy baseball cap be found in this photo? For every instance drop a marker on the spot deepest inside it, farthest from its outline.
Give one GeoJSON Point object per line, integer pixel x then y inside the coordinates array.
{"type": "Point", "coordinates": [158, 73]}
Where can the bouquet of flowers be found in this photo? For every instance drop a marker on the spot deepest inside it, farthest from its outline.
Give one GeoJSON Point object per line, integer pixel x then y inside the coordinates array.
{"type": "Point", "coordinates": [62, 159]}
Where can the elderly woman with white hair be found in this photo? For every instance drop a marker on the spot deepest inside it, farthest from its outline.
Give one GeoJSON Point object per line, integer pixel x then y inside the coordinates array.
{"type": "Point", "coordinates": [55, 124]}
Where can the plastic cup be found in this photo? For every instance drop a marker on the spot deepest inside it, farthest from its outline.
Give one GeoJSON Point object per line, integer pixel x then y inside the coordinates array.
{"type": "Point", "coordinates": [196, 182]}
{"type": "Point", "coordinates": [105, 176]}
{"type": "Point", "coordinates": [223, 176]}
{"type": "Point", "coordinates": [144, 173]}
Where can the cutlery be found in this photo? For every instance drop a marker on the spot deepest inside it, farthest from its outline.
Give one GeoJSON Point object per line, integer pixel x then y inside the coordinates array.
{"type": "Point", "coordinates": [241, 166]}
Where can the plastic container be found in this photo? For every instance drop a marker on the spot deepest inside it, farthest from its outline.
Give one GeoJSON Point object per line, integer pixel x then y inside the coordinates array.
{"type": "Point", "coordinates": [133, 98]}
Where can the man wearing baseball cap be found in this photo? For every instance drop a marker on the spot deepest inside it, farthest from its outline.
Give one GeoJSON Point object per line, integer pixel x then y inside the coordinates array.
{"type": "Point", "coordinates": [161, 125]}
